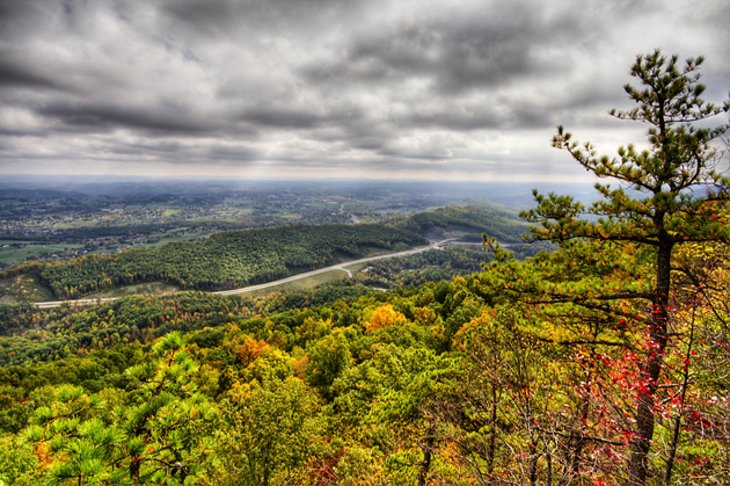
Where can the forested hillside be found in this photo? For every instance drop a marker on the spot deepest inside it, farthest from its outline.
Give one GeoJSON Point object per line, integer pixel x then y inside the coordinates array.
{"type": "Point", "coordinates": [471, 220]}
{"type": "Point", "coordinates": [469, 223]}
{"type": "Point", "coordinates": [225, 260]}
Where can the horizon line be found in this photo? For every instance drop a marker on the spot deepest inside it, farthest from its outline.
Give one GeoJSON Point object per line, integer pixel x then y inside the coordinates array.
{"type": "Point", "coordinates": [238, 178]}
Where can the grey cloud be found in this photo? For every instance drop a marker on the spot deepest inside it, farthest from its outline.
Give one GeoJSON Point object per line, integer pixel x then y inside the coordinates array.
{"type": "Point", "coordinates": [19, 74]}
{"type": "Point", "coordinates": [293, 118]}
{"type": "Point", "coordinates": [394, 153]}
{"type": "Point", "coordinates": [164, 148]}
{"type": "Point", "coordinates": [223, 17]}
{"type": "Point", "coordinates": [476, 50]}
{"type": "Point", "coordinates": [479, 118]}
{"type": "Point", "coordinates": [187, 153]}
{"type": "Point", "coordinates": [95, 118]}
{"type": "Point", "coordinates": [206, 18]}
{"type": "Point", "coordinates": [236, 154]}
{"type": "Point", "coordinates": [200, 12]}
{"type": "Point", "coordinates": [18, 16]}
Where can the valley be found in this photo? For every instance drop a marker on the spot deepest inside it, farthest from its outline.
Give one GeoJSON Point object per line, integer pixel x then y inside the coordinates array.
{"type": "Point", "coordinates": [84, 244]}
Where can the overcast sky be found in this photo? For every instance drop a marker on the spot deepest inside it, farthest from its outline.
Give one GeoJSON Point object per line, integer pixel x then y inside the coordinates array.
{"type": "Point", "coordinates": [331, 88]}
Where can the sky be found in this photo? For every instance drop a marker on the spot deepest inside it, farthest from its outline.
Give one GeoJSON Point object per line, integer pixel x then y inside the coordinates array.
{"type": "Point", "coordinates": [391, 89]}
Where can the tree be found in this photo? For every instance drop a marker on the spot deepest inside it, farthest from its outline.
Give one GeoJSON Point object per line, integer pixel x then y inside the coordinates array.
{"type": "Point", "coordinates": [167, 423]}
{"type": "Point", "coordinates": [667, 195]}
{"type": "Point", "coordinates": [72, 442]}
{"type": "Point", "coordinates": [276, 427]}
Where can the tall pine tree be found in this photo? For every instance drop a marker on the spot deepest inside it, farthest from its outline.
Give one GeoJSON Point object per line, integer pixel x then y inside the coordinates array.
{"type": "Point", "coordinates": [666, 195]}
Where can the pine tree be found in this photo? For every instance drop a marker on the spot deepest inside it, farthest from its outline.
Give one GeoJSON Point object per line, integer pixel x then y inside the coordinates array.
{"type": "Point", "coordinates": [665, 196]}
{"type": "Point", "coordinates": [168, 424]}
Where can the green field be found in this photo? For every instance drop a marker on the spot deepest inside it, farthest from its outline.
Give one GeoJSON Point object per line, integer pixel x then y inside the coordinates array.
{"type": "Point", "coordinates": [147, 288]}
{"type": "Point", "coordinates": [179, 234]}
{"type": "Point", "coordinates": [302, 284]}
{"type": "Point", "coordinates": [308, 282]}
{"type": "Point", "coordinates": [23, 288]}
{"type": "Point", "coordinates": [12, 255]}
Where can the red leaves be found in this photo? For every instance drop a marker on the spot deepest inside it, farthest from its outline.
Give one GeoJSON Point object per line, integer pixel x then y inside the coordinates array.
{"type": "Point", "coordinates": [695, 418]}
{"type": "Point", "coordinates": [700, 460]}
{"type": "Point", "coordinates": [627, 436]}
{"type": "Point", "coordinates": [601, 482]}
{"type": "Point", "coordinates": [605, 360]}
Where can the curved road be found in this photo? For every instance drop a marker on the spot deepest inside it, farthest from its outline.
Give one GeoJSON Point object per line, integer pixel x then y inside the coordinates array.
{"type": "Point", "coordinates": [436, 245]}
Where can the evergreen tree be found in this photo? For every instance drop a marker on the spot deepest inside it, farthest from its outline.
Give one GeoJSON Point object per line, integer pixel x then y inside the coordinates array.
{"type": "Point", "coordinates": [168, 423]}
{"type": "Point", "coordinates": [667, 195]}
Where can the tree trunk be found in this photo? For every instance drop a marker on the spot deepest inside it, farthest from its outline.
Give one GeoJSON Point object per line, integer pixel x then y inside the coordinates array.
{"type": "Point", "coordinates": [678, 419]}
{"type": "Point", "coordinates": [650, 372]}
{"type": "Point", "coordinates": [534, 456]}
{"type": "Point", "coordinates": [578, 439]}
{"type": "Point", "coordinates": [134, 467]}
{"type": "Point", "coordinates": [492, 434]}
{"type": "Point", "coordinates": [427, 453]}
{"type": "Point", "coordinates": [549, 465]}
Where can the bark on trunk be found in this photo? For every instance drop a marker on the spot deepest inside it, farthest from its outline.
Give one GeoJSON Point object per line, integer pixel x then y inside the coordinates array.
{"type": "Point", "coordinates": [534, 457]}
{"type": "Point", "coordinates": [492, 434]}
{"type": "Point", "coordinates": [678, 418]}
{"type": "Point", "coordinates": [427, 453]}
{"type": "Point", "coordinates": [134, 467]}
{"type": "Point", "coordinates": [644, 429]}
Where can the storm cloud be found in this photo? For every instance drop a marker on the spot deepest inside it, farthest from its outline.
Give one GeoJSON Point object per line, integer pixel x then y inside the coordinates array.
{"type": "Point", "coordinates": [310, 88]}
